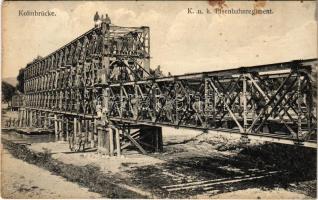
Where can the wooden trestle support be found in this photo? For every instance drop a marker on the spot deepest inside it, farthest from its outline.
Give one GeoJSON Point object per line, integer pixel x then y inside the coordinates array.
{"type": "Point", "coordinates": [97, 91]}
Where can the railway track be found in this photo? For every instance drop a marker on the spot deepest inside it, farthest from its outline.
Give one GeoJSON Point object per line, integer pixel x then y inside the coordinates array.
{"type": "Point", "coordinates": [208, 185]}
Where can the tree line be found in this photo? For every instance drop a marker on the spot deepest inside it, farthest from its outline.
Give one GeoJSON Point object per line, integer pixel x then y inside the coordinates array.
{"type": "Point", "coordinates": [8, 90]}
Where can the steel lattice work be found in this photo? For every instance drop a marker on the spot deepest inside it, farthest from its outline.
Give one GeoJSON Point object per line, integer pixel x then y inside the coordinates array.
{"type": "Point", "coordinates": [98, 88]}
{"type": "Point", "coordinates": [275, 99]}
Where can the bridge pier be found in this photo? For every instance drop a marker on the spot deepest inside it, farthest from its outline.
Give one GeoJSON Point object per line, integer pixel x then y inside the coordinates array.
{"type": "Point", "coordinates": [91, 126]}
{"type": "Point", "coordinates": [30, 118]}
{"type": "Point", "coordinates": [45, 125]}
{"type": "Point", "coordinates": [60, 129]}
{"type": "Point", "coordinates": [38, 119]}
{"type": "Point", "coordinates": [151, 139]}
{"type": "Point", "coordinates": [56, 127]}
{"type": "Point", "coordinates": [86, 125]}
{"type": "Point", "coordinates": [146, 139]}
{"type": "Point", "coordinates": [106, 142]}
{"type": "Point", "coordinates": [66, 129]}
{"type": "Point", "coordinates": [103, 140]}
{"type": "Point", "coordinates": [21, 117]}
{"type": "Point", "coordinates": [74, 128]}
{"type": "Point", "coordinates": [111, 141]}
{"type": "Point", "coordinates": [25, 120]}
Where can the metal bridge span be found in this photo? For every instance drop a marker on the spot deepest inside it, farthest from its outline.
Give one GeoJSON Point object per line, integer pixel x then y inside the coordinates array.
{"type": "Point", "coordinates": [99, 90]}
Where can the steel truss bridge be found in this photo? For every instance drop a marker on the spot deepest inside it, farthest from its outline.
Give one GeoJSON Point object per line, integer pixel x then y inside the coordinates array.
{"type": "Point", "coordinates": [99, 91]}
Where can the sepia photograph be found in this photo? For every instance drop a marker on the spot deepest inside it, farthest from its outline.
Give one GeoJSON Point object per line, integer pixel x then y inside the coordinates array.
{"type": "Point", "coordinates": [159, 100]}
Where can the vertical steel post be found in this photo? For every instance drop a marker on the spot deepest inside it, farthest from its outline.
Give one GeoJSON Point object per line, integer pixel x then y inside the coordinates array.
{"type": "Point", "coordinates": [146, 59]}
{"type": "Point", "coordinates": [176, 103]}
{"type": "Point", "coordinates": [121, 101]}
{"type": "Point", "coordinates": [214, 107]}
{"type": "Point", "coordinates": [299, 110]}
{"type": "Point", "coordinates": [244, 104]}
{"type": "Point", "coordinates": [205, 103]}
{"type": "Point", "coordinates": [136, 105]}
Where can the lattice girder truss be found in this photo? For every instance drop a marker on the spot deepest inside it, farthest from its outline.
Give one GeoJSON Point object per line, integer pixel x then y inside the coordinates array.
{"type": "Point", "coordinates": [71, 79]}
{"type": "Point", "coordinates": [278, 102]}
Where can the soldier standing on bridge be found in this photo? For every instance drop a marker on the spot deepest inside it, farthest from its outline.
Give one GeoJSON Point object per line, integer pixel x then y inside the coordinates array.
{"type": "Point", "coordinates": [97, 19]}
{"type": "Point", "coordinates": [107, 21]}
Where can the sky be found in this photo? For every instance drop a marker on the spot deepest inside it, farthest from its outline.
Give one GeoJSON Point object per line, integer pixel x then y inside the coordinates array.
{"type": "Point", "coordinates": [180, 42]}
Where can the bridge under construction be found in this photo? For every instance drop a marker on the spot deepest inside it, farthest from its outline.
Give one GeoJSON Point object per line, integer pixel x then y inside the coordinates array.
{"type": "Point", "coordinates": [99, 91]}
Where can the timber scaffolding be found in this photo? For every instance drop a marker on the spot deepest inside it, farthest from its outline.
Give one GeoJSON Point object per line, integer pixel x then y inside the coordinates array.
{"type": "Point", "coordinates": [98, 91]}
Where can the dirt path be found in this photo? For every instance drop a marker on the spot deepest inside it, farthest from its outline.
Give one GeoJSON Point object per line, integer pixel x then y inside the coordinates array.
{"type": "Point", "coordinates": [22, 180]}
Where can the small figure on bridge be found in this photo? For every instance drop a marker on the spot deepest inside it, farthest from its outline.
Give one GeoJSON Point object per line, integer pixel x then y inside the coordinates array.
{"type": "Point", "coordinates": [157, 72]}
{"type": "Point", "coordinates": [107, 19]}
{"type": "Point", "coordinates": [197, 104]}
{"type": "Point", "coordinates": [96, 17]}
{"type": "Point", "coordinates": [115, 73]}
{"type": "Point", "coordinates": [97, 20]}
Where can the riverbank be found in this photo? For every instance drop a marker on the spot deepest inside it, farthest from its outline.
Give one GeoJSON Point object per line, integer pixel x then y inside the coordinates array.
{"type": "Point", "coordinates": [22, 180]}
{"type": "Point", "coordinates": [88, 176]}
